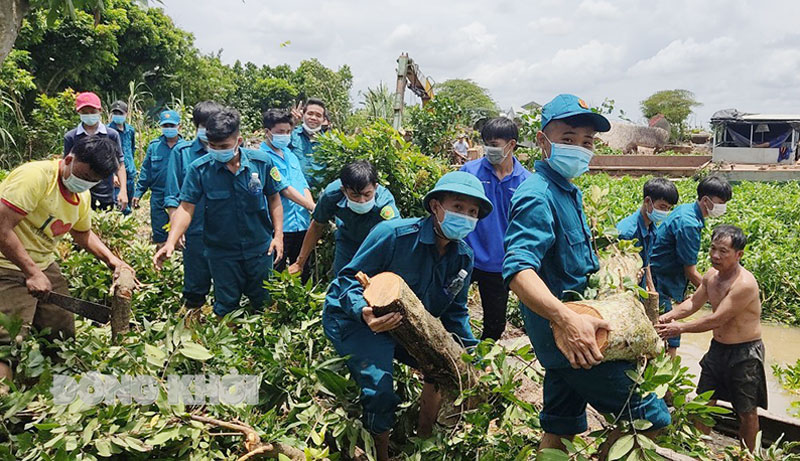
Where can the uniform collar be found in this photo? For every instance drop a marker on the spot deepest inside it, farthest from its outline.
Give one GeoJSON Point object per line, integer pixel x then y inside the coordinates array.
{"type": "Point", "coordinates": [426, 233]}
{"type": "Point", "coordinates": [640, 222]}
{"type": "Point", "coordinates": [699, 212]}
{"type": "Point", "coordinates": [197, 146]}
{"type": "Point", "coordinates": [273, 152]}
{"type": "Point", "coordinates": [100, 128]}
{"type": "Point", "coordinates": [548, 172]}
{"type": "Point", "coordinates": [114, 126]}
{"type": "Point", "coordinates": [516, 170]}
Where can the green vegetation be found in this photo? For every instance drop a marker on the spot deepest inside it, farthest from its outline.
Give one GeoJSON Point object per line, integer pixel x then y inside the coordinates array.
{"type": "Point", "coordinates": [789, 377]}
{"type": "Point", "coordinates": [468, 95]}
{"type": "Point", "coordinates": [767, 212]}
{"type": "Point", "coordinates": [675, 105]}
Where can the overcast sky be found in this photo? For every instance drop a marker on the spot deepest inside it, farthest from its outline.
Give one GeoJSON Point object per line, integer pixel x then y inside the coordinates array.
{"type": "Point", "coordinates": [730, 53]}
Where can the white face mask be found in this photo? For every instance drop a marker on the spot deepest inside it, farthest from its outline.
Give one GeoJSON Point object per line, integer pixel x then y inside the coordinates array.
{"type": "Point", "coordinates": [310, 130]}
{"type": "Point", "coordinates": [75, 184]}
{"type": "Point", "coordinates": [717, 209]}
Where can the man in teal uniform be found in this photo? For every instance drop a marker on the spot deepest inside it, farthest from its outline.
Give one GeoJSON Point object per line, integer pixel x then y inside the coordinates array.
{"type": "Point", "coordinates": [153, 174]}
{"type": "Point", "coordinates": [296, 216]}
{"type": "Point", "coordinates": [243, 209]}
{"type": "Point", "coordinates": [127, 137]}
{"type": "Point", "coordinates": [357, 202]}
{"type": "Point", "coordinates": [674, 257]}
{"type": "Point", "coordinates": [304, 139]}
{"type": "Point", "coordinates": [196, 271]}
{"type": "Point", "coordinates": [549, 256]}
{"type": "Point", "coordinates": [431, 256]}
{"type": "Point", "coordinates": [660, 195]}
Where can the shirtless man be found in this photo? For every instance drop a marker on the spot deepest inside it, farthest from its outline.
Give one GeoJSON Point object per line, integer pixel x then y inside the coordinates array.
{"type": "Point", "coordinates": [733, 367]}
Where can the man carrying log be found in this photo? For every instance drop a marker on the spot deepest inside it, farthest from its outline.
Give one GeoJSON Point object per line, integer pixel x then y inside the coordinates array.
{"type": "Point", "coordinates": [548, 258]}
{"type": "Point", "coordinates": [40, 202]}
{"type": "Point", "coordinates": [734, 365]}
{"type": "Point", "coordinates": [429, 254]}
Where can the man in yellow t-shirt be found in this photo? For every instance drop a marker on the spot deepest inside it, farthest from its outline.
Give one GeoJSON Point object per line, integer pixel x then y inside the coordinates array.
{"type": "Point", "coordinates": [40, 202]}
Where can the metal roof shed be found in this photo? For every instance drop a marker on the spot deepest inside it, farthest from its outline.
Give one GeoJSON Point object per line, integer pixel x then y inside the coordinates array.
{"type": "Point", "coordinates": [755, 138]}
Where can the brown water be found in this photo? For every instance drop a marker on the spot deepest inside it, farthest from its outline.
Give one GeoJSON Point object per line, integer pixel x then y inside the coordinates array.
{"type": "Point", "coordinates": [781, 344]}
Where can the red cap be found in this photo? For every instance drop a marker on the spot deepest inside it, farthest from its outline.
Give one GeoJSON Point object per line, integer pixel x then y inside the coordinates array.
{"type": "Point", "coordinates": [87, 99]}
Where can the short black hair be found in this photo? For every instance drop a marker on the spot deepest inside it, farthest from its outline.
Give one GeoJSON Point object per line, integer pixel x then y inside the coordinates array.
{"type": "Point", "coordinates": [358, 175]}
{"type": "Point", "coordinates": [315, 102]}
{"type": "Point", "coordinates": [274, 117]}
{"type": "Point", "coordinates": [714, 186]}
{"type": "Point", "coordinates": [738, 239]}
{"type": "Point", "coordinates": [500, 128]}
{"type": "Point", "coordinates": [99, 152]}
{"type": "Point", "coordinates": [223, 124]}
{"type": "Point", "coordinates": [661, 189]}
{"type": "Point", "coordinates": [203, 110]}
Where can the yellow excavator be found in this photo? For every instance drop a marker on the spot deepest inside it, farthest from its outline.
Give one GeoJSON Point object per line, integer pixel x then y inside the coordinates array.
{"type": "Point", "coordinates": [409, 76]}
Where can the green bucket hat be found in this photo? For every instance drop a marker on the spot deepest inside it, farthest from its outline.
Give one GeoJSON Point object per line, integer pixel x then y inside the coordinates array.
{"type": "Point", "coordinates": [460, 182]}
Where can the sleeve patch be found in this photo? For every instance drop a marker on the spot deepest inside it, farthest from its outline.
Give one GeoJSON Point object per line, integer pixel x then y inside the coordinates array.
{"type": "Point", "coordinates": [275, 174]}
{"type": "Point", "coordinates": [387, 212]}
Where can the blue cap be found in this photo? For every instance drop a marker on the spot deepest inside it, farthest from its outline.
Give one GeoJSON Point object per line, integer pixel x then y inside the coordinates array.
{"type": "Point", "coordinates": [169, 116]}
{"type": "Point", "coordinates": [568, 105]}
{"type": "Point", "coordinates": [461, 182]}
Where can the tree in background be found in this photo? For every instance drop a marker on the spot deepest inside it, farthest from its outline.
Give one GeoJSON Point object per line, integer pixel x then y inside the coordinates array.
{"type": "Point", "coordinates": [314, 80]}
{"type": "Point", "coordinates": [675, 105]}
{"type": "Point", "coordinates": [435, 126]}
{"type": "Point", "coordinates": [468, 95]}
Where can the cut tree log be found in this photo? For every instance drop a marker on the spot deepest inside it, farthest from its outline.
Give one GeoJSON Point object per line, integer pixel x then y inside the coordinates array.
{"type": "Point", "coordinates": [632, 334]}
{"type": "Point", "coordinates": [424, 337]}
{"type": "Point", "coordinates": [122, 291]}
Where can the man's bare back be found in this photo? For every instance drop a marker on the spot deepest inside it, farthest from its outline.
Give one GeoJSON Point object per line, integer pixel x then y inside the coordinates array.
{"type": "Point", "coordinates": [740, 289]}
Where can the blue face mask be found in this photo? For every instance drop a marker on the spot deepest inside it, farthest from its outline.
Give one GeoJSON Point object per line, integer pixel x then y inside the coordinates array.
{"type": "Point", "coordinates": [201, 133]}
{"type": "Point", "coordinates": [90, 119]}
{"type": "Point", "coordinates": [281, 141]}
{"type": "Point", "coordinates": [169, 132]}
{"type": "Point", "coordinates": [657, 216]}
{"type": "Point", "coordinates": [118, 119]}
{"type": "Point", "coordinates": [361, 207]}
{"type": "Point", "coordinates": [224, 155]}
{"type": "Point", "coordinates": [568, 160]}
{"type": "Point", "coordinates": [456, 226]}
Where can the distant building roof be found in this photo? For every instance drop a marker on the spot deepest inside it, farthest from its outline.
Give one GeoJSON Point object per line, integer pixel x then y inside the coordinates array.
{"type": "Point", "coordinates": [532, 105]}
{"type": "Point", "coordinates": [734, 115]}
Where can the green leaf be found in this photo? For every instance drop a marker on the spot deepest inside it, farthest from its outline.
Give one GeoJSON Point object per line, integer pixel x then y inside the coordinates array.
{"type": "Point", "coordinates": [642, 424]}
{"type": "Point", "coordinates": [551, 454]}
{"type": "Point", "coordinates": [621, 447]}
{"type": "Point", "coordinates": [103, 447]}
{"type": "Point", "coordinates": [195, 351]}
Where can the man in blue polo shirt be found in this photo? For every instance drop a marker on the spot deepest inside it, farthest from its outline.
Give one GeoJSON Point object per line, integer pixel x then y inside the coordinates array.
{"type": "Point", "coordinates": [357, 202]}
{"type": "Point", "coordinates": [429, 254]}
{"type": "Point", "coordinates": [127, 137]}
{"type": "Point", "coordinates": [88, 106]}
{"type": "Point", "coordinates": [304, 139]}
{"type": "Point", "coordinates": [153, 174]}
{"type": "Point", "coordinates": [660, 195]}
{"type": "Point", "coordinates": [298, 203]}
{"type": "Point", "coordinates": [500, 173]}
{"type": "Point", "coordinates": [674, 258]}
{"type": "Point", "coordinates": [549, 256]}
{"type": "Point", "coordinates": [196, 271]}
{"type": "Point", "coordinates": [240, 188]}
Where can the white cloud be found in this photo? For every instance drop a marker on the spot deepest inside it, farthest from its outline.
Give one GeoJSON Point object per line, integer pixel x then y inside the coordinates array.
{"type": "Point", "coordinates": [620, 49]}
{"type": "Point", "coordinates": [687, 55]}
{"type": "Point", "coordinates": [550, 25]}
{"type": "Point", "coordinates": [598, 8]}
